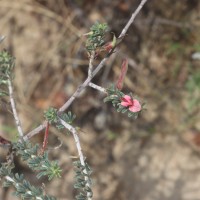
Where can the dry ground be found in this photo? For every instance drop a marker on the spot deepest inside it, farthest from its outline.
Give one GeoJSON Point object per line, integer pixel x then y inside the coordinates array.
{"type": "Point", "coordinates": [155, 157]}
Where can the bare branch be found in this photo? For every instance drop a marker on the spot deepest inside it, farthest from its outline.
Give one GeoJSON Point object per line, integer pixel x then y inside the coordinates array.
{"type": "Point", "coordinates": [123, 33]}
{"type": "Point", "coordinates": [96, 87]}
{"type": "Point", "coordinates": [80, 153]}
{"type": "Point", "coordinates": [13, 106]}
{"type": "Point", "coordinates": [35, 131]}
{"type": "Point", "coordinates": [83, 86]}
{"type": "Point", "coordinates": [91, 64]}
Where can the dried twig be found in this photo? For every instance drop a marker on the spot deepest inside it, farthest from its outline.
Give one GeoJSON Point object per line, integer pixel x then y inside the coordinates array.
{"type": "Point", "coordinates": [97, 87]}
{"type": "Point", "coordinates": [35, 131]}
{"type": "Point", "coordinates": [90, 68]}
{"type": "Point", "coordinates": [80, 153]}
{"type": "Point", "coordinates": [123, 33]}
{"type": "Point", "coordinates": [13, 106]}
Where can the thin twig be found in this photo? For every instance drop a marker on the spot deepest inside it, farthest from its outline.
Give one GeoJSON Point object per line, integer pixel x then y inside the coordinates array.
{"type": "Point", "coordinates": [83, 86]}
{"type": "Point", "coordinates": [45, 142]}
{"type": "Point", "coordinates": [97, 87]}
{"type": "Point", "coordinates": [97, 69]}
{"type": "Point", "coordinates": [35, 131]}
{"type": "Point", "coordinates": [13, 106]}
{"type": "Point", "coordinates": [90, 68]}
{"type": "Point", "coordinates": [123, 33]}
{"type": "Point", "coordinates": [80, 153]}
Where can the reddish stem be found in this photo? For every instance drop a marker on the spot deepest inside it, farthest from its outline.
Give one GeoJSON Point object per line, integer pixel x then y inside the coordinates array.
{"type": "Point", "coordinates": [3, 141]}
{"type": "Point", "coordinates": [124, 68]}
{"type": "Point", "coordinates": [45, 142]}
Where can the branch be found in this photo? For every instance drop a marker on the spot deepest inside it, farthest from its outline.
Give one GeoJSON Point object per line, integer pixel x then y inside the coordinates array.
{"type": "Point", "coordinates": [89, 78]}
{"type": "Point", "coordinates": [80, 153]}
{"type": "Point", "coordinates": [96, 87]}
{"type": "Point", "coordinates": [13, 106]}
{"type": "Point", "coordinates": [35, 131]}
{"type": "Point", "coordinates": [91, 64]}
{"type": "Point", "coordinates": [22, 189]}
{"type": "Point", "coordinates": [133, 16]}
{"type": "Point", "coordinates": [83, 86]}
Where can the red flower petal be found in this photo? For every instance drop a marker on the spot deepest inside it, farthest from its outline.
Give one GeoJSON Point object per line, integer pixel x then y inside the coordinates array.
{"type": "Point", "coordinates": [126, 101]}
{"type": "Point", "coordinates": [136, 107]}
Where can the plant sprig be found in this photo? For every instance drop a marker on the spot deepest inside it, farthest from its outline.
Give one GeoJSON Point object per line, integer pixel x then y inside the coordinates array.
{"type": "Point", "coordinates": [51, 116]}
{"type": "Point", "coordinates": [24, 189]}
{"type": "Point", "coordinates": [83, 181]}
{"type": "Point", "coordinates": [96, 36]}
{"type": "Point", "coordinates": [37, 161]}
{"type": "Point", "coordinates": [6, 65]}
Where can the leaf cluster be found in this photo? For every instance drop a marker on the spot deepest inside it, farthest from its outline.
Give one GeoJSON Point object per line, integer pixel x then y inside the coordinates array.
{"type": "Point", "coordinates": [96, 36]}
{"type": "Point", "coordinates": [83, 181]}
{"type": "Point", "coordinates": [115, 97]}
{"type": "Point", "coordinates": [67, 117]}
{"type": "Point", "coordinates": [36, 160]}
{"type": "Point", "coordinates": [51, 116]}
{"type": "Point", "coordinates": [6, 64]}
{"type": "Point", "coordinates": [24, 189]}
{"type": "Point", "coordinates": [6, 68]}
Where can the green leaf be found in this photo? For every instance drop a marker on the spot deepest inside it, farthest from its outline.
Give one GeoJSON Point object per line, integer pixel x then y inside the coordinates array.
{"type": "Point", "coordinates": [51, 115]}
{"type": "Point", "coordinates": [124, 110]}
{"type": "Point", "coordinates": [106, 99]}
{"type": "Point", "coordinates": [96, 36]}
{"type": "Point", "coordinates": [3, 93]}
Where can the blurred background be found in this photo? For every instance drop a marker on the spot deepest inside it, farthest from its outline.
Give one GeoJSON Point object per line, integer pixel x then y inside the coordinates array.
{"type": "Point", "coordinates": [154, 157]}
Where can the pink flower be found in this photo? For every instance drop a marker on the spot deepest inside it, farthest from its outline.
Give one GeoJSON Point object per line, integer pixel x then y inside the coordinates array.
{"type": "Point", "coordinates": [133, 104]}
{"type": "Point", "coordinates": [126, 101]}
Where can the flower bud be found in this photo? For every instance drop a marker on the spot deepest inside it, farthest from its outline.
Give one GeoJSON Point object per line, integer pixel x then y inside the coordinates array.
{"type": "Point", "coordinates": [110, 45]}
{"type": "Point", "coordinates": [124, 68]}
